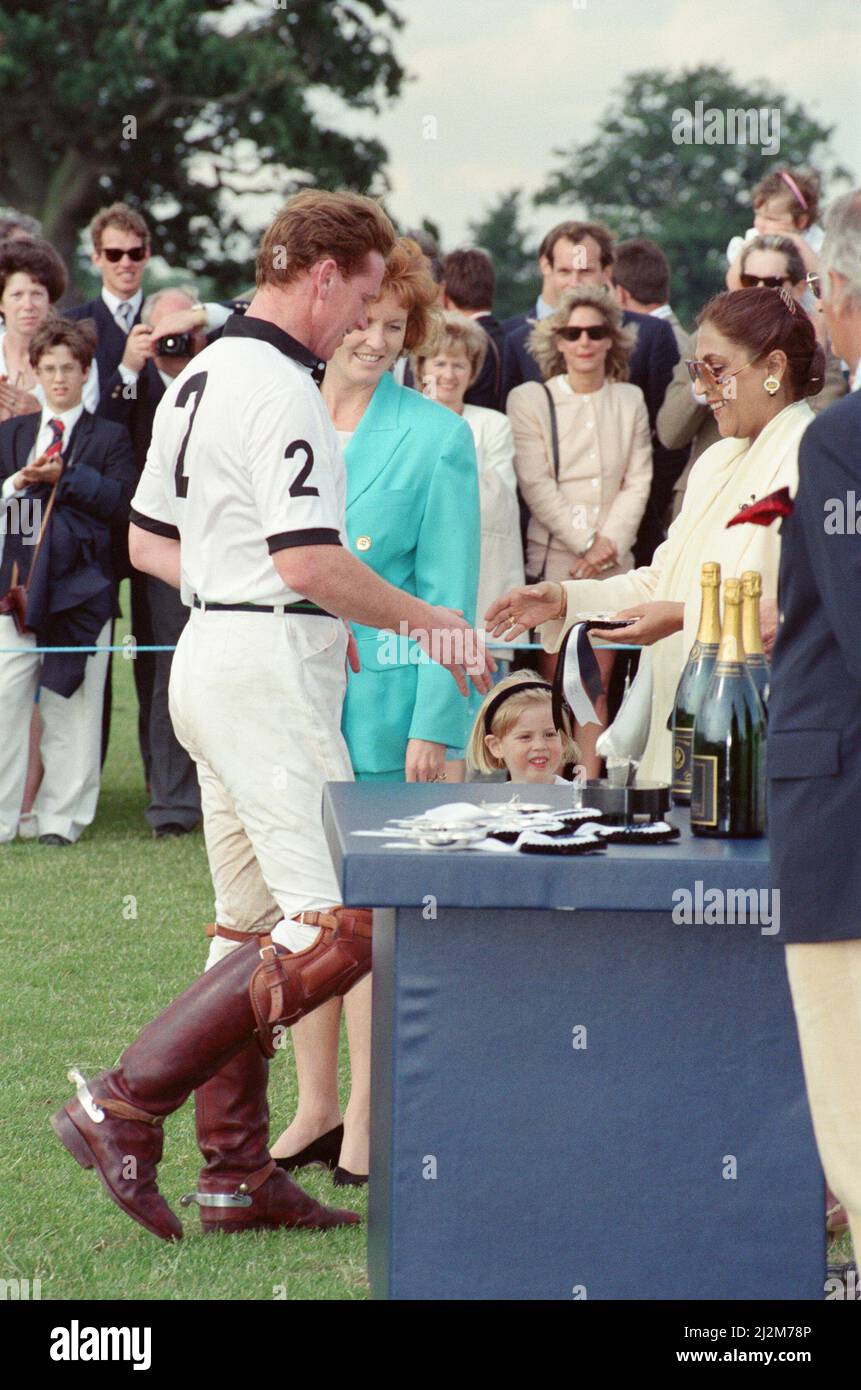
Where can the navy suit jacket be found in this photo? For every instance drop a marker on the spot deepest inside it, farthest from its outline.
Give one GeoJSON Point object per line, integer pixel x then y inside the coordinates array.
{"type": "Point", "coordinates": [72, 592]}
{"type": "Point", "coordinates": [814, 715]}
{"type": "Point", "coordinates": [487, 388]}
{"type": "Point", "coordinates": [111, 338]}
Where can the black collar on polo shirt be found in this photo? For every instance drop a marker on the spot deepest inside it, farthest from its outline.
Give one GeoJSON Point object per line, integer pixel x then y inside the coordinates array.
{"type": "Point", "coordinates": [243, 326]}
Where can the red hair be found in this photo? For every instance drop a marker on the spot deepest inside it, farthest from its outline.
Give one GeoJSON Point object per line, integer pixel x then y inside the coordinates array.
{"type": "Point", "coordinates": [764, 321]}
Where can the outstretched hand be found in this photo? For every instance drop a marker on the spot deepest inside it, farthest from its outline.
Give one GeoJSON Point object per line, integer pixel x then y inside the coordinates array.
{"type": "Point", "coordinates": [528, 606]}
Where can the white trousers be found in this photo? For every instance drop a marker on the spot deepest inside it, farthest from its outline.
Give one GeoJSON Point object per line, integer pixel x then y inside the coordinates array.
{"type": "Point", "coordinates": [825, 981]}
{"type": "Point", "coordinates": [71, 738]}
{"type": "Point", "coordinates": [256, 699]}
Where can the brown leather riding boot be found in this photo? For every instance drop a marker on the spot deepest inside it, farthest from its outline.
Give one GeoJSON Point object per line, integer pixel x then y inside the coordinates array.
{"type": "Point", "coordinates": [115, 1125]}
{"type": "Point", "coordinates": [240, 1188]}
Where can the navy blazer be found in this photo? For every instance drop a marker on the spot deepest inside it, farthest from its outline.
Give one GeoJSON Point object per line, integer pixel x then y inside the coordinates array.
{"type": "Point", "coordinates": [111, 339]}
{"type": "Point", "coordinates": [814, 738]}
{"type": "Point", "coordinates": [487, 388]}
{"type": "Point", "coordinates": [72, 591]}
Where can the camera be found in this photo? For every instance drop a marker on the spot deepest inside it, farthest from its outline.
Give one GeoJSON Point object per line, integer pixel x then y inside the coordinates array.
{"type": "Point", "coordinates": [174, 345]}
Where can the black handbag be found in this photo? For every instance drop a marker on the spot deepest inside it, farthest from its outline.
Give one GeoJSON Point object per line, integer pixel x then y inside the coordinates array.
{"type": "Point", "coordinates": [554, 444]}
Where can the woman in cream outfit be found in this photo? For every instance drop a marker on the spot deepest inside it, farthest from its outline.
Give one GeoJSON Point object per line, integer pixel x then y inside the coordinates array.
{"type": "Point", "coordinates": [757, 358]}
{"type": "Point", "coordinates": [583, 523]}
{"type": "Point", "coordinates": [446, 368]}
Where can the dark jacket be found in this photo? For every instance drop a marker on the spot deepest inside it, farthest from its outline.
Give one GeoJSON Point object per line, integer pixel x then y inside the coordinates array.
{"type": "Point", "coordinates": [487, 388]}
{"type": "Point", "coordinates": [72, 590]}
{"type": "Point", "coordinates": [814, 738]}
{"type": "Point", "coordinates": [111, 338]}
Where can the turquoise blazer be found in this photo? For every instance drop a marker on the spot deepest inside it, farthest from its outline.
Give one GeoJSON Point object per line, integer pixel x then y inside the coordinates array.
{"type": "Point", "coordinates": [413, 516]}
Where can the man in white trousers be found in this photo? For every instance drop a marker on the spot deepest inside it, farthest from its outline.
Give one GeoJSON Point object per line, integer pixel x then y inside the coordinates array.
{"type": "Point", "coordinates": [241, 505]}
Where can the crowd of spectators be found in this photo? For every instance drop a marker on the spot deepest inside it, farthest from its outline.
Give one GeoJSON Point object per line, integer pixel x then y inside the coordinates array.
{"type": "Point", "coordinates": [578, 427]}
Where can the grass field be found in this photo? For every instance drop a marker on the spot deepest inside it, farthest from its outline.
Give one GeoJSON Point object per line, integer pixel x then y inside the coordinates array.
{"type": "Point", "coordinates": [80, 977]}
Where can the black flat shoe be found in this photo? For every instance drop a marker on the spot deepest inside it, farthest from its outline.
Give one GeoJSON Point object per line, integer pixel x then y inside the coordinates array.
{"type": "Point", "coordinates": [54, 840]}
{"type": "Point", "coordinates": [342, 1177]}
{"type": "Point", "coordinates": [324, 1150]}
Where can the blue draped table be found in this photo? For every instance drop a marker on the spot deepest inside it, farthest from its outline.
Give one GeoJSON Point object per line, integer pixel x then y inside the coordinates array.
{"type": "Point", "coordinates": [575, 1096]}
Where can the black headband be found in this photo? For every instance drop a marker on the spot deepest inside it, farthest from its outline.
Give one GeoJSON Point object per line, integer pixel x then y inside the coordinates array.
{"type": "Point", "coordinates": [501, 698]}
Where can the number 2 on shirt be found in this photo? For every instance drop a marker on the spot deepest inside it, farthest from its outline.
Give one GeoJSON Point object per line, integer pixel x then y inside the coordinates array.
{"type": "Point", "coordinates": [194, 386]}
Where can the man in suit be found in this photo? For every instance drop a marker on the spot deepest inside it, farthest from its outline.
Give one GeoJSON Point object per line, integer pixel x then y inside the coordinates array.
{"type": "Point", "coordinates": [814, 740]}
{"type": "Point", "coordinates": [121, 253]}
{"type": "Point", "coordinates": [575, 253]}
{"type": "Point", "coordinates": [640, 282]}
{"type": "Point", "coordinates": [174, 807]}
{"type": "Point", "coordinates": [469, 284]}
{"type": "Point", "coordinates": [67, 480]}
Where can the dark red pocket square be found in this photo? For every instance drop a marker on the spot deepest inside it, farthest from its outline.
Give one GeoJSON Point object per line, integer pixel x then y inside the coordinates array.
{"type": "Point", "coordinates": [764, 511]}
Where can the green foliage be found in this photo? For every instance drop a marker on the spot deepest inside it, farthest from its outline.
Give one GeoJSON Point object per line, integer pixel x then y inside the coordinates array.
{"type": "Point", "coordinates": [500, 234]}
{"type": "Point", "coordinates": [691, 199]}
{"type": "Point", "coordinates": [217, 95]}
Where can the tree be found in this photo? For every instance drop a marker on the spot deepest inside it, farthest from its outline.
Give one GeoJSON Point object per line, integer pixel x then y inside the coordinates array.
{"type": "Point", "coordinates": [690, 198]}
{"type": "Point", "coordinates": [176, 105]}
{"type": "Point", "coordinates": [500, 234]}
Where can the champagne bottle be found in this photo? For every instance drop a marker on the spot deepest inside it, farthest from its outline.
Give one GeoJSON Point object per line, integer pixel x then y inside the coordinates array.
{"type": "Point", "coordinates": [728, 781]}
{"type": "Point", "coordinates": [694, 680]}
{"type": "Point", "coordinates": [757, 663]}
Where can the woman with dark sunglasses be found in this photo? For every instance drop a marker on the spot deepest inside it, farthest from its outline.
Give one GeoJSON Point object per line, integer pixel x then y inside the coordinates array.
{"type": "Point", "coordinates": [587, 491]}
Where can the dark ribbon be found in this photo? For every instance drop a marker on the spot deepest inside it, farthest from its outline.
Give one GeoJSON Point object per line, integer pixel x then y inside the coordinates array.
{"type": "Point", "coordinates": [577, 683]}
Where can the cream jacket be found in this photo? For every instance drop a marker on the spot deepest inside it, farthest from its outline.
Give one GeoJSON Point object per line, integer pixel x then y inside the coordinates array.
{"type": "Point", "coordinates": [605, 468]}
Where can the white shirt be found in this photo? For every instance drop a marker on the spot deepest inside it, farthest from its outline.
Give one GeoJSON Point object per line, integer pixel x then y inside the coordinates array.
{"type": "Point", "coordinates": [856, 380]}
{"type": "Point", "coordinates": [113, 302]}
{"type": "Point", "coordinates": [44, 437]}
{"type": "Point", "coordinates": [244, 461]}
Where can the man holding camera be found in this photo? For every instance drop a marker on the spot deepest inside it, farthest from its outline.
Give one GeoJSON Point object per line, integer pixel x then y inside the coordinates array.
{"type": "Point", "coordinates": [153, 356]}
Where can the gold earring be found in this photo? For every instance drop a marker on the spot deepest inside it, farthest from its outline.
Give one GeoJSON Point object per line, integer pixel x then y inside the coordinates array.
{"type": "Point", "coordinates": [772, 384]}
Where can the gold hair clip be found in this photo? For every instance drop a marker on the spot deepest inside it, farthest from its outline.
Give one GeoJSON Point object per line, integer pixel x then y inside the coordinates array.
{"type": "Point", "coordinates": [787, 299]}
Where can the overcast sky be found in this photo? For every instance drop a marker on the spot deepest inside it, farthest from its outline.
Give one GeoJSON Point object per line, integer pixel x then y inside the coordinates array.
{"type": "Point", "coordinates": [507, 81]}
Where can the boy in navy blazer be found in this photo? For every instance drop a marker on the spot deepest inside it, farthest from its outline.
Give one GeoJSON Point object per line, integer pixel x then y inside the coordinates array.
{"type": "Point", "coordinates": [61, 551]}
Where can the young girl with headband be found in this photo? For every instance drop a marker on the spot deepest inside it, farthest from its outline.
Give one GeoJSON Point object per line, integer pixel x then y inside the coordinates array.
{"type": "Point", "coordinates": [514, 730]}
{"type": "Point", "coordinates": [785, 203]}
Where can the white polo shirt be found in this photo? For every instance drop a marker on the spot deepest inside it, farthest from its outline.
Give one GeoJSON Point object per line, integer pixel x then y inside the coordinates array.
{"type": "Point", "coordinates": [244, 461]}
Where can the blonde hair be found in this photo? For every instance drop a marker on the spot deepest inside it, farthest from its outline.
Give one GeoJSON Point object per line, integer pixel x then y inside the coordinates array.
{"type": "Point", "coordinates": [478, 755]}
{"type": "Point", "coordinates": [543, 342]}
{"type": "Point", "coordinates": [454, 332]}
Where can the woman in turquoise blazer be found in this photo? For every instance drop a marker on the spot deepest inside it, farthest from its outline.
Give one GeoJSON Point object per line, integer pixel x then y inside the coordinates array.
{"type": "Point", "coordinates": [413, 515]}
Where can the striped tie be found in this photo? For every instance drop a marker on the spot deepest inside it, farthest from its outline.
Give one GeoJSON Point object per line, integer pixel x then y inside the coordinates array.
{"type": "Point", "coordinates": [124, 316]}
{"type": "Point", "coordinates": [57, 428]}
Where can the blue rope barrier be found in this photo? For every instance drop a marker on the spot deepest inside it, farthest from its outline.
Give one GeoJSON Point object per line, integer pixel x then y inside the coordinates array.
{"type": "Point", "coordinates": [130, 647]}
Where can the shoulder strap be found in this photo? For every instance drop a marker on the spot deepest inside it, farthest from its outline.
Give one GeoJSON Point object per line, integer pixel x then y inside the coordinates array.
{"type": "Point", "coordinates": [554, 430]}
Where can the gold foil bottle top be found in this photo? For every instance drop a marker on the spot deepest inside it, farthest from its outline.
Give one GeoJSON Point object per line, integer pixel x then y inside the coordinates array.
{"type": "Point", "coordinates": [751, 584]}
{"type": "Point", "coordinates": [751, 588]}
{"type": "Point", "coordinates": [708, 633]}
{"type": "Point", "coordinates": [731, 644]}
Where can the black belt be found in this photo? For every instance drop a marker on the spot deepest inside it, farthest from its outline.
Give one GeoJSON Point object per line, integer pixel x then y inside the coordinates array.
{"type": "Point", "coordinates": [303, 606]}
